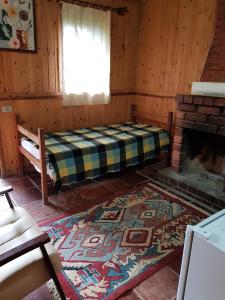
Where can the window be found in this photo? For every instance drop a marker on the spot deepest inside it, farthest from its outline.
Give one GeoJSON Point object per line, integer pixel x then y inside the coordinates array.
{"type": "Point", "coordinates": [86, 55]}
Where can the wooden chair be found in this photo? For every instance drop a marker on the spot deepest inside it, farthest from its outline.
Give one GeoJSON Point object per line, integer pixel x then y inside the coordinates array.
{"type": "Point", "coordinates": [27, 258]}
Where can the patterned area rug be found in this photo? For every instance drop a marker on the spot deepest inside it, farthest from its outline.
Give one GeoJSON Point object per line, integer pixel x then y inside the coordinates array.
{"type": "Point", "coordinates": [112, 247]}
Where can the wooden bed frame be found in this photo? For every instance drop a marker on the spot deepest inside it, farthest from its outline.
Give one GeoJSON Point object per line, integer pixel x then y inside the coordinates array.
{"type": "Point", "coordinates": [39, 140]}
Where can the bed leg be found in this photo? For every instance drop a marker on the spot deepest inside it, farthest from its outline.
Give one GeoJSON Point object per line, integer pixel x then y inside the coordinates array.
{"type": "Point", "coordinates": [169, 158]}
{"type": "Point", "coordinates": [20, 157]}
{"type": "Point", "coordinates": [170, 123]}
{"type": "Point", "coordinates": [44, 189]}
{"type": "Point", "coordinates": [20, 164]}
{"type": "Point", "coordinates": [133, 113]}
{"type": "Point", "coordinates": [170, 130]}
{"type": "Point", "coordinates": [44, 186]}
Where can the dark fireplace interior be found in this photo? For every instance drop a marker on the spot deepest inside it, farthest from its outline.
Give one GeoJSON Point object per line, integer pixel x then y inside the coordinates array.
{"type": "Point", "coordinates": [204, 150]}
{"type": "Point", "coordinates": [203, 162]}
{"type": "Point", "coordinates": [201, 168]}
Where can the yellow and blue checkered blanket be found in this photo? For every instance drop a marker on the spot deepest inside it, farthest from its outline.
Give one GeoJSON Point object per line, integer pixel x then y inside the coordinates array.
{"type": "Point", "coordinates": [77, 155]}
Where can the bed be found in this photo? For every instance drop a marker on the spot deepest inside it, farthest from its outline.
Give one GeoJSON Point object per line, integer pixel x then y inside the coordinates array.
{"type": "Point", "coordinates": [69, 157]}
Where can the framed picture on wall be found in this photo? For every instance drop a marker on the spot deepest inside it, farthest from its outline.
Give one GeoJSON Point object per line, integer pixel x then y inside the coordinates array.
{"type": "Point", "coordinates": [17, 25]}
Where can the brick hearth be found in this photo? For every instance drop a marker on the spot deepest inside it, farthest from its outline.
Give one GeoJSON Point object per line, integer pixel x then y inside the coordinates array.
{"type": "Point", "coordinates": [201, 113]}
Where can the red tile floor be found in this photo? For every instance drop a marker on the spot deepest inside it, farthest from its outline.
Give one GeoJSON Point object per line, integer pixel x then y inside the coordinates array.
{"type": "Point", "coordinates": [161, 286]}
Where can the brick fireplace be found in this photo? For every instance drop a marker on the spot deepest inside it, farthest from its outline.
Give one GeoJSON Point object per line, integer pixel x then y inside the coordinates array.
{"type": "Point", "coordinates": [200, 124]}
{"type": "Point", "coordinates": [200, 113]}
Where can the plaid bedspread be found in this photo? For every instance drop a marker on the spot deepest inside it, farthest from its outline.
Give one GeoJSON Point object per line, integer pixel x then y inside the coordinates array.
{"type": "Point", "coordinates": [77, 155]}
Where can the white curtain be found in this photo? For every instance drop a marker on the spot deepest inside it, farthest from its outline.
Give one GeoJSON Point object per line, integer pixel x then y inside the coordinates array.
{"type": "Point", "coordinates": [86, 55]}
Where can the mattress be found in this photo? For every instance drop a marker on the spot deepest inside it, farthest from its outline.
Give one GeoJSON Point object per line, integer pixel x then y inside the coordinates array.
{"type": "Point", "coordinates": [75, 155]}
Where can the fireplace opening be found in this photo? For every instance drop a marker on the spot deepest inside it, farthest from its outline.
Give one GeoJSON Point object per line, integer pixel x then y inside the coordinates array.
{"type": "Point", "coordinates": [198, 155]}
{"type": "Point", "coordinates": [203, 162]}
{"type": "Point", "coordinates": [203, 152]}
{"type": "Point", "coordinates": [201, 167]}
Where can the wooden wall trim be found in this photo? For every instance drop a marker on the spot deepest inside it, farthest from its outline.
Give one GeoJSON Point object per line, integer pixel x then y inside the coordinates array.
{"type": "Point", "coordinates": [24, 96]}
{"type": "Point", "coordinates": [52, 96]}
{"type": "Point", "coordinates": [156, 95]}
{"type": "Point", "coordinates": [57, 96]}
{"type": "Point", "coordinates": [144, 94]}
{"type": "Point", "coordinates": [121, 93]}
{"type": "Point", "coordinates": [42, 96]}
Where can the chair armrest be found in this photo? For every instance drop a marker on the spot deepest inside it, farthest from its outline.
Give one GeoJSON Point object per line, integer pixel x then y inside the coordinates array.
{"type": "Point", "coordinates": [24, 248]}
{"type": "Point", "coordinates": [6, 190]}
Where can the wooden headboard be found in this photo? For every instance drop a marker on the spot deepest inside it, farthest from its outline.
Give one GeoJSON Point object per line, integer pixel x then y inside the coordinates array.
{"type": "Point", "coordinates": [159, 121]}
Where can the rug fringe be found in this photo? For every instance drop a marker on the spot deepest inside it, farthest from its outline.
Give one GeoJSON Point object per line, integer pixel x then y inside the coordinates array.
{"type": "Point", "coordinates": [53, 290]}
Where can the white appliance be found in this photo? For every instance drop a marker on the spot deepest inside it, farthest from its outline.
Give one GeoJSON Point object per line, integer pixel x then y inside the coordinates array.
{"type": "Point", "coordinates": [202, 274]}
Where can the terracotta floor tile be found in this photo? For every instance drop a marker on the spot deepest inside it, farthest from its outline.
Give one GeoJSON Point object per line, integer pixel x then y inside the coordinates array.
{"type": "Point", "coordinates": [66, 200]}
{"type": "Point", "coordinates": [115, 184]}
{"type": "Point", "coordinates": [92, 191]}
{"type": "Point", "coordinates": [72, 201]}
{"type": "Point", "coordinates": [40, 294]}
{"type": "Point", "coordinates": [23, 184]}
{"type": "Point", "coordinates": [160, 286]}
{"type": "Point", "coordinates": [146, 172]}
{"type": "Point", "coordinates": [24, 197]}
{"type": "Point", "coordinates": [175, 265]}
{"type": "Point", "coordinates": [128, 296]}
{"type": "Point", "coordinates": [37, 178]}
{"type": "Point", "coordinates": [38, 211]}
{"type": "Point", "coordinates": [132, 178]}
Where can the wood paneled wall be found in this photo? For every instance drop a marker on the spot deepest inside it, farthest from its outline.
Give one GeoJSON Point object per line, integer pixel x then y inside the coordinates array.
{"type": "Point", "coordinates": [50, 114]}
{"type": "Point", "coordinates": [36, 76]}
{"type": "Point", "coordinates": [8, 144]}
{"type": "Point", "coordinates": [158, 49]}
{"type": "Point", "coordinates": [174, 41]}
{"type": "Point", "coordinates": [39, 73]}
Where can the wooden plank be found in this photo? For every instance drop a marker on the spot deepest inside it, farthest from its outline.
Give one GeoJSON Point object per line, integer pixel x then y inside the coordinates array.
{"type": "Point", "coordinates": [9, 142]}
{"type": "Point", "coordinates": [28, 134]}
{"type": "Point", "coordinates": [30, 157]}
{"type": "Point", "coordinates": [44, 186]}
{"type": "Point", "coordinates": [20, 157]}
